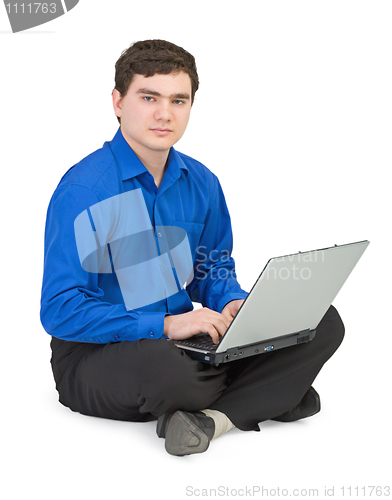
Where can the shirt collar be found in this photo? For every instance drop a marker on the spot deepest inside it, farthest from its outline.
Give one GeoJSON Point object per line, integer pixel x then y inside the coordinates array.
{"type": "Point", "coordinates": [130, 165]}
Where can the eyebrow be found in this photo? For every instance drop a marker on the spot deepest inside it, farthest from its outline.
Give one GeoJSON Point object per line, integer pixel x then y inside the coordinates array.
{"type": "Point", "coordinates": [157, 94]}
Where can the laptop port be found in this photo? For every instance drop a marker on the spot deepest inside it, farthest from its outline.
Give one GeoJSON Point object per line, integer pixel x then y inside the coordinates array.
{"type": "Point", "coordinates": [240, 353]}
{"type": "Point", "coordinates": [269, 348]}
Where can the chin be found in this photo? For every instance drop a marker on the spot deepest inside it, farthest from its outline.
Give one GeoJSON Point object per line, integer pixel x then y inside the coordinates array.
{"type": "Point", "coordinates": [162, 146]}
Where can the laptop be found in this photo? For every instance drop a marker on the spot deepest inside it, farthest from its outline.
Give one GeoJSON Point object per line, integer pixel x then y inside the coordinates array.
{"type": "Point", "coordinates": [284, 307]}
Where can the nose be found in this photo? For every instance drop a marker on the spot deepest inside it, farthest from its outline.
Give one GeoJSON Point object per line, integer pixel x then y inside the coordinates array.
{"type": "Point", "coordinates": [162, 111]}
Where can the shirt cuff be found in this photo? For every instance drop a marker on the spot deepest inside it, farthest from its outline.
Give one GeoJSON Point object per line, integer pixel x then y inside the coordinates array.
{"type": "Point", "coordinates": [150, 325]}
{"type": "Point", "coordinates": [229, 297]}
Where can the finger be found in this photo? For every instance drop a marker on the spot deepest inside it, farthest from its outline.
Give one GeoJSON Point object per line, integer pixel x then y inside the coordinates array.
{"type": "Point", "coordinates": [228, 316]}
{"type": "Point", "coordinates": [223, 323]}
{"type": "Point", "coordinates": [221, 319]}
{"type": "Point", "coordinates": [212, 332]}
{"type": "Point", "coordinates": [217, 320]}
{"type": "Point", "coordinates": [220, 326]}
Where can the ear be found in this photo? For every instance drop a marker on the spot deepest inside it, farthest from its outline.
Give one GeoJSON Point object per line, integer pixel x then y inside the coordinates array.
{"type": "Point", "coordinates": [117, 102]}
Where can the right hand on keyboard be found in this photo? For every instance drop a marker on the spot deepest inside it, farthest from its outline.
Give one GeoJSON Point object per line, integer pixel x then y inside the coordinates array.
{"type": "Point", "coordinates": [184, 326]}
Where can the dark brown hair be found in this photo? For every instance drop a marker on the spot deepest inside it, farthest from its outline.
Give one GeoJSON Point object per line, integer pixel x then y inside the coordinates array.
{"type": "Point", "coordinates": [150, 57]}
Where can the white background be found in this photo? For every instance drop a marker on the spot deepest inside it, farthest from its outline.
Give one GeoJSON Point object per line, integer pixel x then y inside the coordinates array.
{"type": "Point", "coordinates": [294, 116]}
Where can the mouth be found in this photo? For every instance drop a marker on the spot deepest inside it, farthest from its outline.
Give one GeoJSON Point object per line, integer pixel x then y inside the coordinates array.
{"type": "Point", "coordinates": [161, 131]}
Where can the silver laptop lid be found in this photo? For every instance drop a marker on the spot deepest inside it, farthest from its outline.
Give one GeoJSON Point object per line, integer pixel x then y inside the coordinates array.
{"type": "Point", "coordinates": [292, 294]}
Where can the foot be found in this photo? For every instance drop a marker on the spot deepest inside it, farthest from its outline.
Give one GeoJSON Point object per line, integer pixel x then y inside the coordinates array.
{"type": "Point", "coordinates": [186, 433]}
{"type": "Point", "coordinates": [309, 405]}
{"type": "Point", "coordinates": [163, 422]}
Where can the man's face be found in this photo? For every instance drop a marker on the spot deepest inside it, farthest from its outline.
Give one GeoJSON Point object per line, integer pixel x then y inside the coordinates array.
{"type": "Point", "coordinates": [155, 111]}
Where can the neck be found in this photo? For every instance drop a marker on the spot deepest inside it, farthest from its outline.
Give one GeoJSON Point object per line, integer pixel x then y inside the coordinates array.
{"type": "Point", "coordinates": [154, 161]}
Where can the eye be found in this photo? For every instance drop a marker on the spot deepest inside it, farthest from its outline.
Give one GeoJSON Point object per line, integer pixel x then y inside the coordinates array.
{"type": "Point", "coordinates": [148, 98]}
{"type": "Point", "coordinates": [178, 101]}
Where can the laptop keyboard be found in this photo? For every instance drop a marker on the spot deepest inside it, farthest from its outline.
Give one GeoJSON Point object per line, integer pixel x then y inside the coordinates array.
{"type": "Point", "coordinates": [202, 341]}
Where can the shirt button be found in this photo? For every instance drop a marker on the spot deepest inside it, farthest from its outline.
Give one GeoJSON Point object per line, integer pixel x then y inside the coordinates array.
{"type": "Point", "coordinates": [117, 337]}
{"type": "Point", "coordinates": [159, 235]}
{"type": "Point", "coordinates": [151, 334]}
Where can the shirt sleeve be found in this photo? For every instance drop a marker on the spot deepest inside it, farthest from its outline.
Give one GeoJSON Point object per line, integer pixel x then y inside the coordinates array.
{"type": "Point", "coordinates": [73, 306]}
{"type": "Point", "coordinates": [215, 281]}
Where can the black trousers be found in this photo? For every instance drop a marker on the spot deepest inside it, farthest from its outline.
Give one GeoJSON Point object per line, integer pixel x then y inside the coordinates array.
{"type": "Point", "coordinates": [141, 380]}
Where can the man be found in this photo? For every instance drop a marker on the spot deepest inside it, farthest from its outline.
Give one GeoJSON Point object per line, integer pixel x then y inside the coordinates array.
{"type": "Point", "coordinates": [112, 291]}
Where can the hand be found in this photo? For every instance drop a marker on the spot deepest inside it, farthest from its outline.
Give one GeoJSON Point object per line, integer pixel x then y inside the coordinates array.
{"type": "Point", "coordinates": [183, 326]}
{"type": "Point", "coordinates": [231, 309]}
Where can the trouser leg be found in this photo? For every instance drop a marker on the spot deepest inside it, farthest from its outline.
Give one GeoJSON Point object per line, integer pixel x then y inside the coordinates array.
{"type": "Point", "coordinates": [268, 385]}
{"type": "Point", "coordinates": [135, 381]}
{"type": "Point", "coordinates": [142, 380]}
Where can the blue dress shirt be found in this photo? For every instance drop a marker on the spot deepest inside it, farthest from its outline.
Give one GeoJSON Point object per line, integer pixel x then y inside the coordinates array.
{"type": "Point", "coordinates": [83, 306]}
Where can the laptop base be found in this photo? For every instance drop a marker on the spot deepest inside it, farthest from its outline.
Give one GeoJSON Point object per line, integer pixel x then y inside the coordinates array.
{"type": "Point", "coordinates": [214, 358]}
